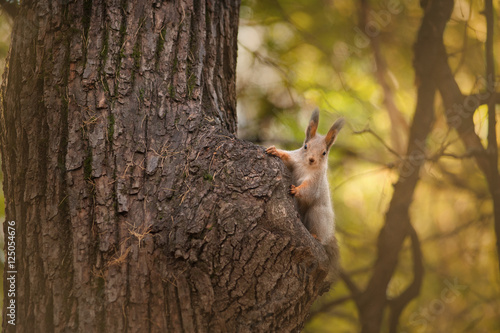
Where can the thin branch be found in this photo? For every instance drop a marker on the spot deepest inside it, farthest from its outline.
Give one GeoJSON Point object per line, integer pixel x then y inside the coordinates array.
{"type": "Point", "coordinates": [465, 156]}
{"type": "Point", "coordinates": [463, 52]}
{"type": "Point", "coordinates": [368, 130]}
{"type": "Point", "coordinates": [330, 305]}
{"type": "Point", "coordinates": [350, 284]}
{"type": "Point", "coordinates": [360, 271]}
{"type": "Point", "coordinates": [353, 288]}
{"type": "Point", "coordinates": [398, 304]}
{"type": "Point", "coordinates": [482, 220]}
{"type": "Point", "coordinates": [460, 110]}
{"type": "Point", "coordinates": [362, 174]}
{"type": "Point", "coordinates": [271, 63]}
{"type": "Point", "coordinates": [313, 39]}
{"type": "Point", "coordinates": [470, 153]}
{"type": "Point", "coordinates": [399, 126]}
{"type": "Point", "coordinates": [458, 181]}
{"type": "Point", "coordinates": [483, 98]}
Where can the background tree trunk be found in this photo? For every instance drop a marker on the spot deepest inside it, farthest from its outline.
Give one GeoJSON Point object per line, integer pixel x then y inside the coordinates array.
{"type": "Point", "coordinates": [136, 207]}
{"type": "Point", "coordinates": [373, 301]}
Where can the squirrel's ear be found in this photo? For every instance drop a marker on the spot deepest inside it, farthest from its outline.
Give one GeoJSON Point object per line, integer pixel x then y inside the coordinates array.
{"type": "Point", "coordinates": [331, 136]}
{"type": "Point", "coordinates": [313, 125]}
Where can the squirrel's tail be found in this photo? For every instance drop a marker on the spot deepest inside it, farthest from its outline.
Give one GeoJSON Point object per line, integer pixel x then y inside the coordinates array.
{"type": "Point", "coordinates": [332, 250]}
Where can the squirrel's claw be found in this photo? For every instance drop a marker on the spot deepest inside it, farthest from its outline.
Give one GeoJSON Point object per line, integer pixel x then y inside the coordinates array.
{"type": "Point", "coordinates": [271, 150]}
{"type": "Point", "coordinates": [293, 189]}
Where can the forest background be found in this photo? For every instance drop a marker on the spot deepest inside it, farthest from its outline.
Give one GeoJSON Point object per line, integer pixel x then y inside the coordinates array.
{"type": "Point", "coordinates": [355, 59]}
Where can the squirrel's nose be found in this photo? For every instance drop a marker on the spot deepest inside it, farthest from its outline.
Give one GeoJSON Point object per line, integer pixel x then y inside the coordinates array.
{"type": "Point", "coordinates": [311, 160]}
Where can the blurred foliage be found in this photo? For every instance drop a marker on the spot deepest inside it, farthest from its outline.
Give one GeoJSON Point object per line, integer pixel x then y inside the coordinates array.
{"type": "Point", "coordinates": [296, 55]}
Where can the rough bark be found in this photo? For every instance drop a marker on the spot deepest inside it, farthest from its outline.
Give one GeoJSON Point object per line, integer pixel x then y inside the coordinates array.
{"type": "Point", "coordinates": [137, 208]}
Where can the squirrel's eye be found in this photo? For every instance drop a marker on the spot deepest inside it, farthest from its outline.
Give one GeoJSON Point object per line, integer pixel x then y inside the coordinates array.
{"type": "Point", "coordinates": [324, 153]}
{"type": "Point", "coordinates": [305, 146]}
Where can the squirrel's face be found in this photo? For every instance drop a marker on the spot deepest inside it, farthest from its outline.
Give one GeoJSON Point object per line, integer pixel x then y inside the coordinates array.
{"type": "Point", "coordinates": [316, 147]}
{"type": "Point", "coordinates": [315, 152]}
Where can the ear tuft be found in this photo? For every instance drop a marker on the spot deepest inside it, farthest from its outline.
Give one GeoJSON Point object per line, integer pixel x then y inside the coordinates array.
{"type": "Point", "coordinates": [315, 116]}
{"type": "Point", "coordinates": [313, 125]}
{"type": "Point", "coordinates": [339, 123]}
{"type": "Point", "coordinates": [331, 136]}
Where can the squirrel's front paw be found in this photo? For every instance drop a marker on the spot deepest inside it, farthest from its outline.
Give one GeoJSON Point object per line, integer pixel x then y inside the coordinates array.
{"type": "Point", "coordinates": [272, 151]}
{"type": "Point", "coordinates": [293, 190]}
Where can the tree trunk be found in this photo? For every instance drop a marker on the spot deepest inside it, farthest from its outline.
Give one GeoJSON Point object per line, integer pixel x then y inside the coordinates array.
{"type": "Point", "coordinates": [136, 207]}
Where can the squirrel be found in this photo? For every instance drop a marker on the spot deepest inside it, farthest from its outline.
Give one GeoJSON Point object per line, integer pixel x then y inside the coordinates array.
{"type": "Point", "coordinates": [309, 165]}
